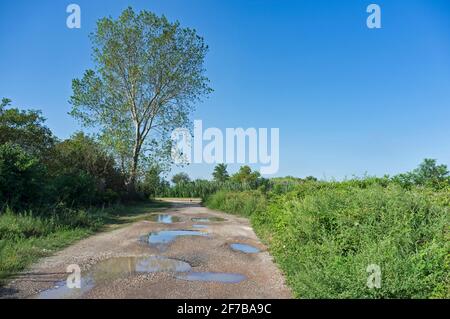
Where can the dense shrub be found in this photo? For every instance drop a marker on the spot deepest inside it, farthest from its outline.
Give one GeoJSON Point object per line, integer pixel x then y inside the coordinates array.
{"type": "Point", "coordinates": [84, 173]}
{"type": "Point", "coordinates": [243, 203]}
{"type": "Point", "coordinates": [325, 235]}
{"type": "Point", "coordinates": [22, 177]}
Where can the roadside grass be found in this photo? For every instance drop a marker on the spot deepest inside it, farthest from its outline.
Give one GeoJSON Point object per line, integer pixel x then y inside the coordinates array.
{"type": "Point", "coordinates": [324, 236]}
{"type": "Point", "coordinates": [25, 237]}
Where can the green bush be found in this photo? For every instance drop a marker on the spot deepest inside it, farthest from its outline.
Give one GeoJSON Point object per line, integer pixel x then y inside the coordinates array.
{"type": "Point", "coordinates": [76, 189]}
{"type": "Point", "coordinates": [242, 203]}
{"type": "Point", "coordinates": [22, 177]}
{"type": "Point", "coordinates": [84, 174]}
{"type": "Point", "coordinates": [325, 235]}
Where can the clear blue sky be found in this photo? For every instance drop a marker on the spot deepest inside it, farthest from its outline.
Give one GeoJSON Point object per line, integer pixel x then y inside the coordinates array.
{"type": "Point", "coordinates": [347, 99]}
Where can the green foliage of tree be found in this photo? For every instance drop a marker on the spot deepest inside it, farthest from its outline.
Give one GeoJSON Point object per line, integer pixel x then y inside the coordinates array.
{"type": "Point", "coordinates": [153, 184]}
{"type": "Point", "coordinates": [180, 178]}
{"type": "Point", "coordinates": [246, 175]}
{"type": "Point", "coordinates": [25, 129]}
{"type": "Point", "coordinates": [148, 73]}
{"type": "Point", "coordinates": [429, 173]}
{"type": "Point", "coordinates": [22, 177]}
{"type": "Point", "coordinates": [80, 165]}
{"type": "Point", "coordinates": [220, 173]}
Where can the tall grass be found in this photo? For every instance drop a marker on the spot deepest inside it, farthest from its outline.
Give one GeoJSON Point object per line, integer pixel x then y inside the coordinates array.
{"type": "Point", "coordinates": [25, 237]}
{"type": "Point", "coordinates": [325, 235]}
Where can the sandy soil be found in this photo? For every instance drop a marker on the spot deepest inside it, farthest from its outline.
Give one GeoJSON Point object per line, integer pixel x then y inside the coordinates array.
{"type": "Point", "coordinates": [209, 253]}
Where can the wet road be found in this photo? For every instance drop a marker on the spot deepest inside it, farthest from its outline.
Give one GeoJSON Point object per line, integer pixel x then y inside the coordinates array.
{"type": "Point", "coordinates": [188, 251]}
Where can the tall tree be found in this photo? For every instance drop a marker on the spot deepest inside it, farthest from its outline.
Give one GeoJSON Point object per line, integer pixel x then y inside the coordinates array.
{"type": "Point", "coordinates": [148, 74]}
{"type": "Point", "coordinates": [246, 175]}
{"type": "Point", "coordinates": [180, 178]}
{"type": "Point", "coordinates": [220, 173]}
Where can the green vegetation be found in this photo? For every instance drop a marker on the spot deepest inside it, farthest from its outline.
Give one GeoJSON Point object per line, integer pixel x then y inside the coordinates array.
{"type": "Point", "coordinates": [220, 173]}
{"type": "Point", "coordinates": [180, 178]}
{"type": "Point", "coordinates": [324, 235]}
{"type": "Point", "coordinates": [184, 187]}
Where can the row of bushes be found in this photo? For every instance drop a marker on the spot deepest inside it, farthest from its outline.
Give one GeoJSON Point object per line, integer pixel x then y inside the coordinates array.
{"type": "Point", "coordinates": [38, 171]}
{"type": "Point", "coordinates": [325, 235]}
{"type": "Point", "coordinates": [203, 188]}
{"type": "Point", "coordinates": [429, 174]}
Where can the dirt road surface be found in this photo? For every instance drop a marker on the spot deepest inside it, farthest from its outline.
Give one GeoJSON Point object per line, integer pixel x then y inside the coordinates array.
{"type": "Point", "coordinates": [145, 260]}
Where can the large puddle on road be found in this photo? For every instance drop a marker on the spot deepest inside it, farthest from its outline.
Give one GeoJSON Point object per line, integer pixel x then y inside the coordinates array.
{"type": "Point", "coordinates": [227, 278]}
{"type": "Point", "coordinates": [112, 269]}
{"type": "Point", "coordinates": [244, 248]}
{"type": "Point", "coordinates": [163, 238]}
{"type": "Point", "coordinates": [164, 218]}
{"type": "Point", "coordinates": [207, 219]}
{"type": "Point", "coordinates": [199, 226]}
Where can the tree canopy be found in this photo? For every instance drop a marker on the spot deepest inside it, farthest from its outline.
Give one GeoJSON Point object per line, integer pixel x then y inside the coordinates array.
{"type": "Point", "coordinates": [148, 74]}
{"type": "Point", "coordinates": [220, 173]}
{"type": "Point", "coordinates": [25, 129]}
{"type": "Point", "coordinates": [246, 175]}
{"type": "Point", "coordinates": [180, 178]}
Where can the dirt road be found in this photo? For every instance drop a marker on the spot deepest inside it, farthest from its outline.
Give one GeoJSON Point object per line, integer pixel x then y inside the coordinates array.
{"type": "Point", "coordinates": [177, 254]}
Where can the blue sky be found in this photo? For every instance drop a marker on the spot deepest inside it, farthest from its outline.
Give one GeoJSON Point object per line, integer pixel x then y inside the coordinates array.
{"type": "Point", "coordinates": [348, 100]}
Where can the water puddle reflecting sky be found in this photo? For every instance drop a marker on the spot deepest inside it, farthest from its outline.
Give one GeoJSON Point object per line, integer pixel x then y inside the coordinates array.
{"type": "Point", "coordinates": [248, 249]}
{"type": "Point", "coordinates": [112, 269]}
{"type": "Point", "coordinates": [228, 278]}
{"type": "Point", "coordinates": [164, 218]}
{"type": "Point", "coordinates": [207, 219]}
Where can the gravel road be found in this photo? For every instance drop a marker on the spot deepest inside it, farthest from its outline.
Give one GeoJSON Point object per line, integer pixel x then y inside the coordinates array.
{"type": "Point", "coordinates": [129, 263]}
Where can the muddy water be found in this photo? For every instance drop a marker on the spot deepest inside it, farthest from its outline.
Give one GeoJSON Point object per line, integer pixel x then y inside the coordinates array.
{"type": "Point", "coordinates": [164, 218]}
{"type": "Point", "coordinates": [207, 219]}
{"type": "Point", "coordinates": [228, 278]}
{"type": "Point", "coordinates": [115, 268]}
{"type": "Point", "coordinates": [248, 249]}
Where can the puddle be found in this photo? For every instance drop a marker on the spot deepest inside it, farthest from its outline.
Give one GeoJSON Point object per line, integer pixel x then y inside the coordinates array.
{"type": "Point", "coordinates": [122, 266]}
{"type": "Point", "coordinates": [207, 219]}
{"type": "Point", "coordinates": [163, 238]}
{"type": "Point", "coordinates": [164, 218]}
{"type": "Point", "coordinates": [245, 248]}
{"type": "Point", "coordinates": [61, 291]}
{"type": "Point", "coordinates": [212, 276]}
{"type": "Point", "coordinates": [114, 268]}
{"type": "Point", "coordinates": [200, 226]}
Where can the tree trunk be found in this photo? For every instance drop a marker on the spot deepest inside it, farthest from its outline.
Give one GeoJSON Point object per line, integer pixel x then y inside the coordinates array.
{"type": "Point", "coordinates": [131, 187]}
